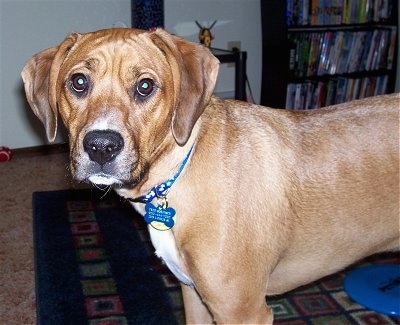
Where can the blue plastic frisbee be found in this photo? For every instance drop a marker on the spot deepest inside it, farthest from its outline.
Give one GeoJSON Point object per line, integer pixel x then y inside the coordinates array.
{"type": "Point", "coordinates": [376, 287]}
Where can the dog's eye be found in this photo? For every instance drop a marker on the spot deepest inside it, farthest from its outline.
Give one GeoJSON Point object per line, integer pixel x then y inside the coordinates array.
{"type": "Point", "coordinates": [145, 87]}
{"type": "Point", "coordinates": [79, 83]}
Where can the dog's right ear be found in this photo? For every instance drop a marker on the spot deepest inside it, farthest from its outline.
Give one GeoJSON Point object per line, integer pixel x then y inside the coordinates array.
{"type": "Point", "coordinates": [40, 76]}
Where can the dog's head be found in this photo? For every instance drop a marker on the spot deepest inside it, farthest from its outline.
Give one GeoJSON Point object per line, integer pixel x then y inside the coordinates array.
{"type": "Point", "coordinates": [122, 94]}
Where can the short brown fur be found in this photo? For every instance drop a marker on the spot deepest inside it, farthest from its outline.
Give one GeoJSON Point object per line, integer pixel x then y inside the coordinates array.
{"type": "Point", "coordinates": [270, 199]}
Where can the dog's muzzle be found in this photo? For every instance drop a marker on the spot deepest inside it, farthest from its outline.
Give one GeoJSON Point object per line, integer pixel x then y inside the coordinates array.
{"type": "Point", "coordinates": [103, 146]}
{"type": "Point", "coordinates": [101, 165]}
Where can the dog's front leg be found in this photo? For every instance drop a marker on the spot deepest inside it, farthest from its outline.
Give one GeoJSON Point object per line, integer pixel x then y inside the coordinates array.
{"type": "Point", "coordinates": [195, 311]}
{"type": "Point", "coordinates": [230, 310]}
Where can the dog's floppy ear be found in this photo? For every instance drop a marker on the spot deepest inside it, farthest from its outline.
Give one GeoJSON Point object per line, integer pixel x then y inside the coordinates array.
{"type": "Point", "coordinates": [195, 71]}
{"type": "Point", "coordinates": [40, 76]}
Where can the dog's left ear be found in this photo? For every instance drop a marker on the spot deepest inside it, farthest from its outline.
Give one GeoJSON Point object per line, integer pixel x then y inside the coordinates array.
{"type": "Point", "coordinates": [195, 71]}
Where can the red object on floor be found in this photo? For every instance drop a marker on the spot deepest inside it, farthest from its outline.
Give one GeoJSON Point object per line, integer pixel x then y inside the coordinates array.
{"type": "Point", "coordinates": [5, 154]}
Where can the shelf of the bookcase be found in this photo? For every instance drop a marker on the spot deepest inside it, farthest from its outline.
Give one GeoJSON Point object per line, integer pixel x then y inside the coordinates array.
{"type": "Point", "coordinates": [352, 75]}
{"type": "Point", "coordinates": [347, 27]}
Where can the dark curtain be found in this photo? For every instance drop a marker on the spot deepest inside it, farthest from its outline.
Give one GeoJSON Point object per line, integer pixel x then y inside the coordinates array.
{"type": "Point", "coordinates": [147, 14]}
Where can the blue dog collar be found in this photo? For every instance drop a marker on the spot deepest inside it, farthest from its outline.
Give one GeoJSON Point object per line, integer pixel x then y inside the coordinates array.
{"type": "Point", "coordinates": [161, 190]}
{"type": "Point", "coordinates": [161, 216]}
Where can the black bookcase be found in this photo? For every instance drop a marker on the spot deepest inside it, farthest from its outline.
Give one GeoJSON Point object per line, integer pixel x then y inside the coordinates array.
{"type": "Point", "coordinates": [298, 37]}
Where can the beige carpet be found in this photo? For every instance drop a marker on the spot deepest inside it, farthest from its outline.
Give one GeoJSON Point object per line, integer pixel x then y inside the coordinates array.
{"type": "Point", "coordinates": [27, 172]}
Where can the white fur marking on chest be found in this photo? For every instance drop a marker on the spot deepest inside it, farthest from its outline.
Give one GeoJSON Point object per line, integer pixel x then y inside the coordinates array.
{"type": "Point", "coordinates": [164, 243]}
{"type": "Point", "coordinates": [165, 246]}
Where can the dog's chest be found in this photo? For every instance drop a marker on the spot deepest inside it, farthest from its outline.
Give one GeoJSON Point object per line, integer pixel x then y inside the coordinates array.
{"type": "Point", "coordinates": [165, 245]}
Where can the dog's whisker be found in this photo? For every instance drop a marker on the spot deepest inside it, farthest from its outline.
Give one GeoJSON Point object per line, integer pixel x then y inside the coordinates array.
{"type": "Point", "coordinates": [103, 188]}
{"type": "Point", "coordinates": [106, 191]}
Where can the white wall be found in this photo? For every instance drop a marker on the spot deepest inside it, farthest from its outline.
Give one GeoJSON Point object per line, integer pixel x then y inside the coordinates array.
{"type": "Point", "coordinates": [27, 27]}
{"type": "Point", "coordinates": [237, 20]}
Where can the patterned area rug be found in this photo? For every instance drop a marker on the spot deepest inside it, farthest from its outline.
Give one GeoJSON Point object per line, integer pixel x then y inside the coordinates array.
{"type": "Point", "coordinates": [92, 266]}
{"type": "Point", "coordinates": [326, 303]}
{"type": "Point", "coordinates": [95, 265]}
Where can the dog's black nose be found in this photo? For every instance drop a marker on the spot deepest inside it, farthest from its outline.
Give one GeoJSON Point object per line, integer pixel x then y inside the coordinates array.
{"type": "Point", "coordinates": [103, 146]}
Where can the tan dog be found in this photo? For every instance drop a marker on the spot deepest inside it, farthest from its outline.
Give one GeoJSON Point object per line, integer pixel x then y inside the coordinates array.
{"type": "Point", "coordinates": [267, 200]}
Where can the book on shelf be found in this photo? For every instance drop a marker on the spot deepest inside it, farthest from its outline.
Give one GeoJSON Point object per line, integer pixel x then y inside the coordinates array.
{"type": "Point", "coordinates": [341, 51]}
{"type": "Point", "coordinates": [336, 12]}
{"type": "Point", "coordinates": [312, 94]}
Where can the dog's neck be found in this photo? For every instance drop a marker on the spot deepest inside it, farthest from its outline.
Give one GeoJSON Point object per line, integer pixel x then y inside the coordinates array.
{"type": "Point", "coordinates": [162, 189]}
{"type": "Point", "coordinates": [170, 158]}
{"type": "Point", "coordinates": [154, 204]}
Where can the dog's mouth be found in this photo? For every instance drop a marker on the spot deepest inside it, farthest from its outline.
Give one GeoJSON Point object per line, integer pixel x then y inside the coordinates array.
{"type": "Point", "coordinates": [117, 174]}
{"type": "Point", "coordinates": [103, 180]}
